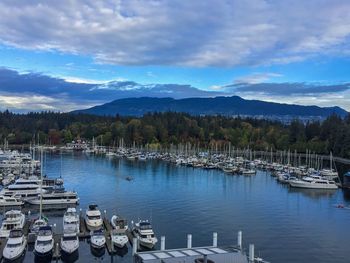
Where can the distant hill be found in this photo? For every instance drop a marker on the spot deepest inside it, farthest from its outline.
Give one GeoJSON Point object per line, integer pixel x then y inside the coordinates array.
{"type": "Point", "coordinates": [210, 106]}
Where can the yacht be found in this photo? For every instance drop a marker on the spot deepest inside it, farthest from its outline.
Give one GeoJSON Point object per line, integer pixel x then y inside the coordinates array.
{"type": "Point", "coordinates": [314, 182]}
{"type": "Point", "coordinates": [14, 219]}
{"type": "Point", "coordinates": [44, 243]}
{"type": "Point", "coordinates": [119, 238]}
{"type": "Point", "coordinates": [71, 221]}
{"type": "Point", "coordinates": [25, 193]}
{"type": "Point", "coordinates": [9, 201]}
{"type": "Point", "coordinates": [143, 231]}
{"type": "Point", "coordinates": [119, 223]}
{"type": "Point", "coordinates": [15, 245]}
{"type": "Point", "coordinates": [98, 239]}
{"type": "Point", "coordinates": [93, 218]}
{"type": "Point", "coordinates": [56, 198]}
{"type": "Point", "coordinates": [69, 243]}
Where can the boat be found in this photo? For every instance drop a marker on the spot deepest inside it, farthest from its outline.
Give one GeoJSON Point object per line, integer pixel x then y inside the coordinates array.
{"type": "Point", "coordinates": [69, 243]}
{"type": "Point", "coordinates": [44, 243]}
{"type": "Point", "coordinates": [41, 221]}
{"type": "Point", "coordinates": [38, 223]}
{"type": "Point", "coordinates": [119, 223]}
{"type": "Point", "coordinates": [15, 246]}
{"type": "Point", "coordinates": [6, 201]}
{"type": "Point", "coordinates": [14, 219]}
{"type": "Point", "coordinates": [98, 239]}
{"type": "Point", "coordinates": [119, 238]}
{"type": "Point", "coordinates": [143, 231]}
{"type": "Point", "coordinates": [56, 199]}
{"type": "Point", "coordinates": [93, 218]}
{"type": "Point", "coordinates": [248, 171]}
{"type": "Point", "coordinates": [71, 221]}
{"type": "Point", "coordinates": [313, 182]}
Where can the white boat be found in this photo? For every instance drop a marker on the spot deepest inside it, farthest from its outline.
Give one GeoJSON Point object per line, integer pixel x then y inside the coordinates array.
{"type": "Point", "coordinates": [56, 198]}
{"type": "Point", "coordinates": [15, 245]}
{"type": "Point", "coordinates": [69, 243]}
{"type": "Point", "coordinates": [9, 201]}
{"type": "Point", "coordinates": [44, 242]}
{"type": "Point", "coordinates": [14, 219]}
{"type": "Point", "coordinates": [119, 223]}
{"type": "Point", "coordinates": [93, 218]}
{"type": "Point", "coordinates": [98, 239]}
{"type": "Point", "coordinates": [143, 231]}
{"type": "Point", "coordinates": [119, 238]}
{"type": "Point", "coordinates": [313, 182]}
{"type": "Point", "coordinates": [248, 171]}
{"type": "Point", "coordinates": [71, 221]}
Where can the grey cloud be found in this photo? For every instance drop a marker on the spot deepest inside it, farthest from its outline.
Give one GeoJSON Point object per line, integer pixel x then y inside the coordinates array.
{"type": "Point", "coordinates": [187, 33]}
{"type": "Point", "coordinates": [57, 94]}
{"type": "Point", "coordinates": [287, 89]}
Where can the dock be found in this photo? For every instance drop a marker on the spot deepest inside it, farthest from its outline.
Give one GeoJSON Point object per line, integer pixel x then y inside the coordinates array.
{"type": "Point", "coordinates": [2, 246]}
{"type": "Point", "coordinates": [212, 253]}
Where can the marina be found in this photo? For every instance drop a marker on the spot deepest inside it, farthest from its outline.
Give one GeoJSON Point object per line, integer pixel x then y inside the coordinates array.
{"type": "Point", "coordinates": [113, 173]}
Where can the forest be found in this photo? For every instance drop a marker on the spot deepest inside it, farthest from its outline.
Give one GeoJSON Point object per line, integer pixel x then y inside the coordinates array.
{"type": "Point", "coordinates": [170, 128]}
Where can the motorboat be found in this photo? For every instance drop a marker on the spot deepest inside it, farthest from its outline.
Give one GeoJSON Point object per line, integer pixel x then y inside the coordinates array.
{"type": "Point", "coordinates": [98, 239]}
{"type": "Point", "coordinates": [69, 243]}
{"type": "Point", "coordinates": [56, 199]}
{"type": "Point", "coordinates": [119, 238]}
{"type": "Point", "coordinates": [313, 182]}
{"type": "Point", "coordinates": [93, 218]}
{"type": "Point", "coordinates": [71, 221]}
{"type": "Point", "coordinates": [15, 246]}
{"type": "Point", "coordinates": [143, 231]}
{"type": "Point", "coordinates": [44, 242]}
{"type": "Point", "coordinates": [6, 201]}
{"type": "Point", "coordinates": [246, 171]}
{"type": "Point", "coordinates": [119, 223]}
{"type": "Point", "coordinates": [14, 219]}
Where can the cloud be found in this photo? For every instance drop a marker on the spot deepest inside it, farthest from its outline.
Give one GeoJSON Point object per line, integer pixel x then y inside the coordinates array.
{"type": "Point", "coordinates": [256, 78]}
{"type": "Point", "coordinates": [186, 33]}
{"type": "Point", "coordinates": [30, 91]}
{"type": "Point", "coordinates": [288, 89]}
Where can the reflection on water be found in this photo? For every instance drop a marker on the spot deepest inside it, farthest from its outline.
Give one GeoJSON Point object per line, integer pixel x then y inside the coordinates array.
{"type": "Point", "coordinates": [286, 225]}
{"type": "Point", "coordinates": [314, 193]}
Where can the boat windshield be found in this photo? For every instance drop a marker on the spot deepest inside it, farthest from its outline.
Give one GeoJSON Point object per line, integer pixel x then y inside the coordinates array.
{"type": "Point", "coordinates": [94, 217]}
{"type": "Point", "coordinates": [145, 226]}
{"type": "Point", "coordinates": [13, 245]}
{"type": "Point", "coordinates": [43, 242]}
{"type": "Point", "coordinates": [69, 238]}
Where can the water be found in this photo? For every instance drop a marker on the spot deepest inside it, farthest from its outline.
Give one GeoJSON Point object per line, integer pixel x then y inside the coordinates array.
{"type": "Point", "coordinates": [285, 225]}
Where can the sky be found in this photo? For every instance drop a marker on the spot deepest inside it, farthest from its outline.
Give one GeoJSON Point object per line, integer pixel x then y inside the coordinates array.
{"type": "Point", "coordinates": [65, 55]}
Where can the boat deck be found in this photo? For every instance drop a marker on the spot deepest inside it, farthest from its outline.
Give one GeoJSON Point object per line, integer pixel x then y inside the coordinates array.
{"type": "Point", "coordinates": [189, 255]}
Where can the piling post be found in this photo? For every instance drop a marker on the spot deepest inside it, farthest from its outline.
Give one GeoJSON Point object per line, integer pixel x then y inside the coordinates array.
{"type": "Point", "coordinates": [215, 239]}
{"type": "Point", "coordinates": [251, 253]}
{"type": "Point", "coordinates": [239, 239]}
{"type": "Point", "coordinates": [134, 246]}
{"type": "Point", "coordinates": [56, 252]}
{"type": "Point", "coordinates": [162, 243]}
{"type": "Point", "coordinates": [205, 259]}
{"type": "Point", "coordinates": [189, 241]}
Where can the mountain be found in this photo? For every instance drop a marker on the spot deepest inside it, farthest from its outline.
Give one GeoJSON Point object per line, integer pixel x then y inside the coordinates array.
{"type": "Point", "coordinates": [233, 105]}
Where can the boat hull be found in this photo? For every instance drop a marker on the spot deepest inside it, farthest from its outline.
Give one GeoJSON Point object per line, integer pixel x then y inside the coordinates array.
{"type": "Point", "coordinates": [297, 184]}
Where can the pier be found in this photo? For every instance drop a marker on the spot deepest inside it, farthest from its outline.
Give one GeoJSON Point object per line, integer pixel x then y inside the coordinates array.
{"type": "Point", "coordinates": [207, 254]}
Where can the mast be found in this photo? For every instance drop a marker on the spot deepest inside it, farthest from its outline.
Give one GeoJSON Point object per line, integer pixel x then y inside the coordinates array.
{"type": "Point", "coordinates": [41, 183]}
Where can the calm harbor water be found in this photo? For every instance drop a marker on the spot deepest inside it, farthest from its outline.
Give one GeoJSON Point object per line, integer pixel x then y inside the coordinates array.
{"type": "Point", "coordinates": [285, 225]}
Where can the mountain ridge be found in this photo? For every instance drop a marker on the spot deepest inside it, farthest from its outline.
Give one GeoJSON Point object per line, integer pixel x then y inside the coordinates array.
{"type": "Point", "coordinates": [223, 105]}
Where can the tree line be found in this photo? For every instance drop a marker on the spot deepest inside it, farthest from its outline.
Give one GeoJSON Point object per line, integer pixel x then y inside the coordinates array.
{"type": "Point", "coordinates": [170, 128]}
